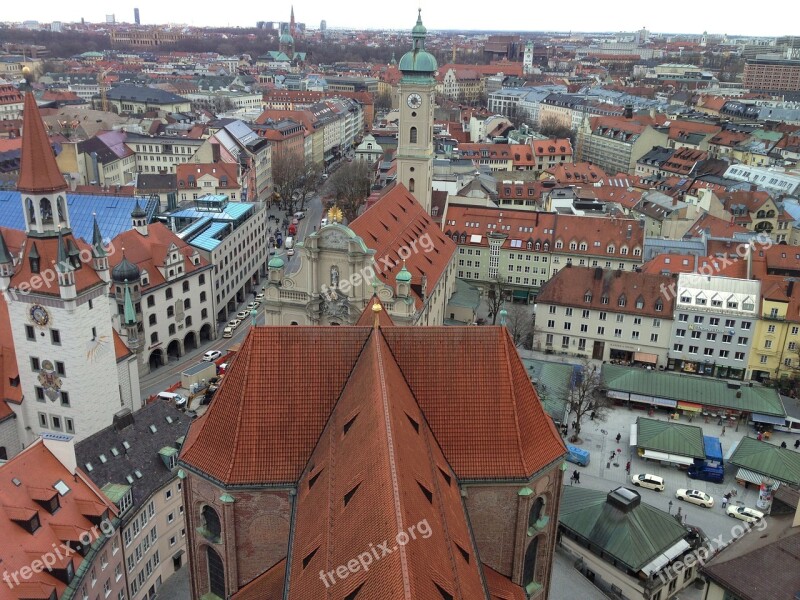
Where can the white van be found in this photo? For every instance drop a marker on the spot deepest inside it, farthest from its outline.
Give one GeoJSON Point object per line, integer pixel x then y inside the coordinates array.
{"type": "Point", "coordinates": [179, 400]}
{"type": "Point", "coordinates": [289, 243]}
{"type": "Point", "coordinates": [646, 480]}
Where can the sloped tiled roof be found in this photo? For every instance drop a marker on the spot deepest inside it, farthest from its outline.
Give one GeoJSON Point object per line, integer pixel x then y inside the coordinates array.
{"type": "Point", "coordinates": [267, 586]}
{"type": "Point", "coordinates": [262, 426]}
{"type": "Point", "coordinates": [378, 455]}
{"type": "Point", "coordinates": [36, 467]}
{"type": "Point", "coordinates": [38, 171]}
{"type": "Point", "coordinates": [398, 221]}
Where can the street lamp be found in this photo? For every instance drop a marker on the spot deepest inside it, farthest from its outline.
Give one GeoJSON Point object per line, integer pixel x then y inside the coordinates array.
{"type": "Point", "coordinates": [669, 504]}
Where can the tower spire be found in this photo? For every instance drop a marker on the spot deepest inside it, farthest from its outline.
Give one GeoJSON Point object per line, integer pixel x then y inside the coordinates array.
{"type": "Point", "coordinates": [38, 171]}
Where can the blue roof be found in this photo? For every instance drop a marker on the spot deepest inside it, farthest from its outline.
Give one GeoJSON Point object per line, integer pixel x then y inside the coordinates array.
{"type": "Point", "coordinates": [207, 240]}
{"type": "Point", "coordinates": [233, 211]}
{"type": "Point", "coordinates": [113, 213]}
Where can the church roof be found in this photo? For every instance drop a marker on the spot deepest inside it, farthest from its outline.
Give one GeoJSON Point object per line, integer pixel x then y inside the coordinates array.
{"type": "Point", "coordinates": [376, 429]}
{"type": "Point", "coordinates": [397, 224]}
{"type": "Point", "coordinates": [367, 318]}
{"type": "Point", "coordinates": [263, 427]}
{"type": "Point", "coordinates": [38, 171]}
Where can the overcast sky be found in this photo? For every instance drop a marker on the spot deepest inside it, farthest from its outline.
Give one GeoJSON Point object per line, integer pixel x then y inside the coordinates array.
{"type": "Point", "coordinates": [576, 15]}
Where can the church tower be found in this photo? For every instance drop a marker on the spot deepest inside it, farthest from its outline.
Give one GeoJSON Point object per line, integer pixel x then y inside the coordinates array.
{"type": "Point", "coordinates": [415, 142]}
{"type": "Point", "coordinates": [57, 299]}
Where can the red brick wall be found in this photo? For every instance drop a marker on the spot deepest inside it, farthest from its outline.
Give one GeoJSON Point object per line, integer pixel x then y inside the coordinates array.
{"type": "Point", "coordinates": [499, 518]}
{"type": "Point", "coordinates": [255, 532]}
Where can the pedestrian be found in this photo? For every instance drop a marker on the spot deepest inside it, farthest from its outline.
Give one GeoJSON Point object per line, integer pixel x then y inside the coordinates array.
{"type": "Point", "coordinates": [720, 421]}
{"type": "Point", "coordinates": [628, 467]}
{"type": "Point", "coordinates": [783, 444]}
{"type": "Point", "coordinates": [723, 431]}
{"type": "Point", "coordinates": [619, 437]}
{"type": "Point", "coordinates": [724, 502]}
{"type": "Point", "coordinates": [796, 444]}
{"type": "Point", "coordinates": [577, 476]}
{"type": "Point", "coordinates": [592, 416]}
{"type": "Point", "coordinates": [760, 436]}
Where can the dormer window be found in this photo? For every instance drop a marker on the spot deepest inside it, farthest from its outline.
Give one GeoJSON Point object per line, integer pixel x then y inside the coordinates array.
{"type": "Point", "coordinates": [640, 303]}
{"type": "Point", "coordinates": [610, 249]}
{"type": "Point", "coordinates": [587, 297]}
{"type": "Point", "coordinates": [622, 300]}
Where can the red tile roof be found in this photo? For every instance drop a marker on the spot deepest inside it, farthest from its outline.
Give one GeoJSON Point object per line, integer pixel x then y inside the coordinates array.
{"type": "Point", "coordinates": [262, 426]}
{"type": "Point", "coordinates": [715, 227]}
{"type": "Point", "coordinates": [378, 455]}
{"type": "Point", "coordinates": [267, 586]}
{"type": "Point", "coordinates": [570, 286]}
{"type": "Point", "coordinates": [229, 170]}
{"type": "Point", "coordinates": [555, 147]}
{"type": "Point", "coordinates": [398, 221]}
{"type": "Point", "coordinates": [500, 587]}
{"type": "Point", "coordinates": [598, 233]}
{"type": "Point", "coordinates": [26, 280]}
{"type": "Point", "coordinates": [367, 318]}
{"type": "Point", "coordinates": [36, 468]}
{"type": "Point", "coordinates": [577, 173]}
{"type": "Point", "coordinates": [149, 252]}
{"type": "Point", "coordinates": [38, 171]}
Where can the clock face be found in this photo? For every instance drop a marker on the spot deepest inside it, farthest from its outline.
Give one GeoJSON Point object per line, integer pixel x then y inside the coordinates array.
{"type": "Point", "coordinates": [414, 100]}
{"type": "Point", "coordinates": [39, 315]}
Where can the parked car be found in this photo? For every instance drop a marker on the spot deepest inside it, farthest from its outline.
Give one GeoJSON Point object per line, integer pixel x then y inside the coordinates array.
{"type": "Point", "coordinates": [695, 497]}
{"type": "Point", "coordinates": [646, 480]}
{"type": "Point", "coordinates": [748, 515]}
{"type": "Point", "coordinates": [260, 296]}
{"type": "Point", "coordinates": [300, 215]}
{"type": "Point", "coordinates": [242, 314]}
{"type": "Point", "coordinates": [211, 355]}
{"type": "Point", "coordinates": [234, 323]}
{"type": "Point", "coordinates": [323, 222]}
{"type": "Point", "coordinates": [180, 401]}
{"type": "Point", "coordinates": [290, 252]}
{"type": "Point", "coordinates": [324, 176]}
{"type": "Point", "coordinates": [227, 332]}
{"type": "Point", "coordinates": [252, 305]}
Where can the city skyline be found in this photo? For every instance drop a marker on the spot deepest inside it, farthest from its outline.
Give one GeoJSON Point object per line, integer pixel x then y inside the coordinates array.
{"type": "Point", "coordinates": [437, 17]}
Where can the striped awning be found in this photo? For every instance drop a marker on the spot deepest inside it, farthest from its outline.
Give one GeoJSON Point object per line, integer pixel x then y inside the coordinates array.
{"type": "Point", "coordinates": [690, 406]}
{"type": "Point", "coordinates": [756, 478]}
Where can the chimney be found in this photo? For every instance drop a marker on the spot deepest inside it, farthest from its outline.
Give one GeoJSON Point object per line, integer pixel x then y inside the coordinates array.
{"type": "Point", "coordinates": [696, 260]}
{"type": "Point", "coordinates": [629, 233]}
{"type": "Point", "coordinates": [628, 112]}
{"type": "Point", "coordinates": [598, 273]}
{"type": "Point", "coordinates": [749, 259]}
{"type": "Point", "coordinates": [62, 446]}
{"type": "Point", "coordinates": [123, 419]}
{"type": "Point", "coordinates": [790, 288]}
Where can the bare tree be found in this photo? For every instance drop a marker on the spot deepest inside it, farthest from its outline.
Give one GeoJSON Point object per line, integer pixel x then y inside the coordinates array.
{"type": "Point", "coordinates": [309, 182]}
{"type": "Point", "coordinates": [288, 170]}
{"type": "Point", "coordinates": [383, 100]}
{"type": "Point", "coordinates": [519, 322]}
{"type": "Point", "coordinates": [351, 184]}
{"type": "Point", "coordinates": [552, 127]}
{"type": "Point", "coordinates": [585, 397]}
{"type": "Point", "coordinates": [495, 297]}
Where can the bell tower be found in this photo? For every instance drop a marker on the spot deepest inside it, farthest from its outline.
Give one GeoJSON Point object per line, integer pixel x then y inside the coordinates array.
{"type": "Point", "coordinates": [415, 142]}
{"type": "Point", "coordinates": [41, 185]}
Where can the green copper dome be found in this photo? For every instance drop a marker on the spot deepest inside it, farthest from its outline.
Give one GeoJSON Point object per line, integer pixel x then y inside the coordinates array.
{"type": "Point", "coordinates": [418, 60]}
{"type": "Point", "coordinates": [275, 263]}
{"type": "Point", "coordinates": [403, 276]}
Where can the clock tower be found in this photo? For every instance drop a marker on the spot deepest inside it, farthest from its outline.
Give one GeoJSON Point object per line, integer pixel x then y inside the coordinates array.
{"type": "Point", "coordinates": [415, 142]}
{"type": "Point", "coordinates": [56, 289]}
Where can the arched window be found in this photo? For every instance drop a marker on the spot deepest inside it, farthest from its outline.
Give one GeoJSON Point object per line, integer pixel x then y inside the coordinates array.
{"type": "Point", "coordinates": [60, 207]}
{"type": "Point", "coordinates": [216, 573]}
{"type": "Point", "coordinates": [412, 135]}
{"type": "Point", "coordinates": [529, 567]}
{"type": "Point", "coordinates": [46, 210]}
{"type": "Point", "coordinates": [411, 185]}
{"type": "Point", "coordinates": [536, 512]}
{"type": "Point", "coordinates": [211, 523]}
{"type": "Point", "coordinates": [31, 212]}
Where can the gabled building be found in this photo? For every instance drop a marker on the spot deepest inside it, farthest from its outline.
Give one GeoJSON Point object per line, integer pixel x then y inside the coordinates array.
{"type": "Point", "coordinates": [134, 462]}
{"type": "Point", "coordinates": [617, 143]}
{"type": "Point", "coordinates": [618, 316]}
{"type": "Point", "coordinates": [52, 514]}
{"type": "Point", "coordinates": [105, 160]}
{"type": "Point", "coordinates": [200, 179]}
{"type": "Point", "coordinates": [376, 448]}
{"type": "Point", "coordinates": [137, 100]}
{"type": "Point", "coordinates": [161, 293]}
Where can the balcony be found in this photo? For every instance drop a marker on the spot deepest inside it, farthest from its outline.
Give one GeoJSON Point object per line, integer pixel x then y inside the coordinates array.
{"type": "Point", "coordinates": [772, 317]}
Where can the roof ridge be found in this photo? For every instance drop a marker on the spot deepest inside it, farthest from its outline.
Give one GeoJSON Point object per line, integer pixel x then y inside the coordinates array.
{"type": "Point", "coordinates": [240, 411]}
{"type": "Point", "coordinates": [507, 362]}
{"type": "Point", "coordinates": [384, 397]}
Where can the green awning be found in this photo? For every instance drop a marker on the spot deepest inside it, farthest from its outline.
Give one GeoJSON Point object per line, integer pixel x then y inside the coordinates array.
{"type": "Point", "coordinates": [521, 294]}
